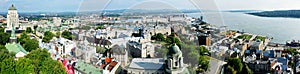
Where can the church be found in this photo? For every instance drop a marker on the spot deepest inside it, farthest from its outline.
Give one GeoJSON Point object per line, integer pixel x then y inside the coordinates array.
{"type": "Point", "coordinates": [171, 64]}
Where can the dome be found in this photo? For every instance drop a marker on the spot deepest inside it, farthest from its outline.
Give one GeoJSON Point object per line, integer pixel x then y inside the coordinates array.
{"type": "Point", "coordinates": [174, 50]}
{"type": "Point", "coordinates": [12, 7]}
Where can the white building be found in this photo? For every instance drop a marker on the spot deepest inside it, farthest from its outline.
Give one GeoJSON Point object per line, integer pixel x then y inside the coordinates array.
{"type": "Point", "coordinates": [85, 51]}
{"type": "Point", "coordinates": [138, 49]}
{"type": "Point", "coordinates": [172, 64]}
{"type": "Point", "coordinates": [12, 17]}
{"type": "Point", "coordinates": [56, 21]}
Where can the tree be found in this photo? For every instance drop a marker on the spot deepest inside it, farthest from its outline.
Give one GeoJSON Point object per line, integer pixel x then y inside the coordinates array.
{"type": "Point", "coordinates": [67, 35]}
{"type": "Point", "coordinates": [48, 36]}
{"type": "Point", "coordinates": [29, 30]}
{"type": "Point", "coordinates": [44, 64]}
{"type": "Point", "coordinates": [31, 44]}
{"type": "Point", "coordinates": [236, 63]}
{"type": "Point", "coordinates": [24, 66]}
{"type": "Point", "coordinates": [4, 38]}
{"type": "Point", "coordinates": [292, 51]}
{"type": "Point", "coordinates": [230, 70]}
{"type": "Point", "coordinates": [100, 27]}
{"type": "Point", "coordinates": [58, 34]}
{"type": "Point", "coordinates": [203, 51]}
{"type": "Point", "coordinates": [203, 63]}
{"type": "Point", "coordinates": [158, 37]}
{"type": "Point", "coordinates": [23, 38]}
{"type": "Point", "coordinates": [35, 27]}
{"type": "Point", "coordinates": [7, 66]}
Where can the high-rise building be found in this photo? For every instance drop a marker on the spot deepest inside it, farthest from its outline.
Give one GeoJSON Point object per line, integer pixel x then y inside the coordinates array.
{"type": "Point", "coordinates": [12, 17]}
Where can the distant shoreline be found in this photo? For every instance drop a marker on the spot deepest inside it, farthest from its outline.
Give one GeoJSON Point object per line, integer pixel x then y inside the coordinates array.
{"type": "Point", "coordinates": [279, 13]}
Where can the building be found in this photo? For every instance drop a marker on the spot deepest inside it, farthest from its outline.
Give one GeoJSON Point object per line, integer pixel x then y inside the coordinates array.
{"type": "Point", "coordinates": [84, 51]}
{"type": "Point", "coordinates": [172, 64]}
{"type": "Point", "coordinates": [82, 67]}
{"type": "Point", "coordinates": [64, 46]}
{"type": "Point", "coordinates": [140, 50]}
{"type": "Point", "coordinates": [120, 53]}
{"type": "Point", "coordinates": [14, 47]}
{"type": "Point", "coordinates": [57, 21]}
{"type": "Point", "coordinates": [257, 45]}
{"type": "Point", "coordinates": [12, 18]}
{"type": "Point", "coordinates": [204, 40]}
{"type": "Point", "coordinates": [147, 66]}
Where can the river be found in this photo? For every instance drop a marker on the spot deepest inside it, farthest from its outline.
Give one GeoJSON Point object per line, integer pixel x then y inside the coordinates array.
{"type": "Point", "coordinates": [281, 29]}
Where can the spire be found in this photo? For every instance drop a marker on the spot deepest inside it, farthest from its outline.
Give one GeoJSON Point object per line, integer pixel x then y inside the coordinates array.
{"type": "Point", "coordinates": [13, 31]}
{"type": "Point", "coordinates": [13, 38]}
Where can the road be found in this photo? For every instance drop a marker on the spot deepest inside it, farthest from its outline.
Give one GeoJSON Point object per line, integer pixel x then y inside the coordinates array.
{"type": "Point", "coordinates": [215, 66]}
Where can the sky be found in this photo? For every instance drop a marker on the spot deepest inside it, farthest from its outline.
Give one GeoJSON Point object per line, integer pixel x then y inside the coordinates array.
{"type": "Point", "coordinates": [94, 5]}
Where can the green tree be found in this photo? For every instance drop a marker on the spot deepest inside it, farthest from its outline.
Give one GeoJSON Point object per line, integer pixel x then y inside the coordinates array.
{"type": "Point", "coordinates": [292, 51]}
{"type": "Point", "coordinates": [4, 38]}
{"type": "Point", "coordinates": [203, 51]}
{"type": "Point", "coordinates": [58, 34]}
{"type": "Point", "coordinates": [35, 27]}
{"type": "Point", "coordinates": [158, 37]}
{"type": "Point", "coordinates": [31, 44]}
{"type": "Point", "coordinates": [230, 70]}
{"type": "Point", "coordinates": [171, 39]}
{"type": "Point", "coordinates": [100, 27]}
{"type": "Point", "coordinates": [24, 36]}
{"type": "Point", "coordinates": [7, 66]}
{"type": "Point", "coordinates": [236, 63]}
{"type": "Point", "coordinates": [43, 63]}
{"type": "Point", "coordinates": [29, 30]}
{"type": "Point", "coordinates": [48, 36]}
{"type": "Point", "coordinates": [24, 66]}
{"type": "Point", "coordinates": [203, 63]}
{"type": "Point", "coordinates": [67, 35]}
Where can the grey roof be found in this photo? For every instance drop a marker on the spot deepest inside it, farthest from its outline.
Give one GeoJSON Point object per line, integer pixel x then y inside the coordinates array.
{"type": "Point", "coordinates": [116, 49]}
{"type": "Point", "coordinates": [147, 63]}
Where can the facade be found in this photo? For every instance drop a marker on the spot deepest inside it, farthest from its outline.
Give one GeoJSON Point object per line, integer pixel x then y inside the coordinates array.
{"type": "Point", "coordinates": [172, 64]}
{"type": "Point", "coordinates": [85, 51]}
{"type": "Point", "coordinates": [204, 40]}
{"type": "Point", "coordinates": [12, 17]}
{"type": "Point", "coordinates": [64, 46]}
{"type": "Point", "coordinates": [57, 21]}
{"type": "Point", "coordinates": [120, 53]}
{"type": "Point", "coordinates": [140, 50]}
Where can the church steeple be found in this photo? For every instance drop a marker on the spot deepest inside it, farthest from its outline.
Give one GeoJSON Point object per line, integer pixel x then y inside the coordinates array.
{"type": "Point", "coordinates": [13, 38]}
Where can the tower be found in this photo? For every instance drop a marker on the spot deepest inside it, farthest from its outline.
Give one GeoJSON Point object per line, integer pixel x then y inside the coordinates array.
{"type": "Point", "coordinates": [12, 17]}
{"type": "Point", "coordinates": [13, 38]}
{"type": "Point", "coordinates": [174, 60]}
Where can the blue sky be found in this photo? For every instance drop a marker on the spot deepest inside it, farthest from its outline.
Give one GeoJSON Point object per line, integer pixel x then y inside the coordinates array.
{"type": "Point", "coordinates": [87, 5]}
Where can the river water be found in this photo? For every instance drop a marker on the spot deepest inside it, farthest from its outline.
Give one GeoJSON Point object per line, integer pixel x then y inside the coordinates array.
{"type": "Point", "coordinates": [281, 29]}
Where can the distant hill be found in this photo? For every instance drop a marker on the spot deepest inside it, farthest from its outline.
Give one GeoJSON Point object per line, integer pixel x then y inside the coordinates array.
{"type": "Point", "coordinates": [278, 13]}
{"type": "Point", "coordinates": [244, 11]}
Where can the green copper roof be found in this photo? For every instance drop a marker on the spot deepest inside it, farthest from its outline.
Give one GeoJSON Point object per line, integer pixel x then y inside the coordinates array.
{"type": "Point", "coordinates": [15, 48]}
{"type": "Point", "coordinates": [174, 51]}
{"type": "Point", "coordinates": [87, 68]}
{"type": "Point", "coordinates": [12, 7]}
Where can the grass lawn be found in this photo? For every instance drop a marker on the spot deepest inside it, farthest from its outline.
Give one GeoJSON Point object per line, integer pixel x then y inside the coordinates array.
{"type": "Point", "coordinates": [260, 38]}
{"type": "Point", "coordinates": [245, 36]}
